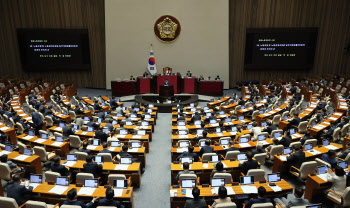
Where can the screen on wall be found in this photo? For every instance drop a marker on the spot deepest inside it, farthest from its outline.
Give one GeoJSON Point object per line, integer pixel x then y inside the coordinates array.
{"type": "Point", "coordinates": [280, 48]}
{"type": "Point", "coordinates": [54, 49]}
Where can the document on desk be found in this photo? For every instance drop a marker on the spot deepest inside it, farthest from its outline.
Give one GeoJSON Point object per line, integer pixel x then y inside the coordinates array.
{"type": "Point", "coordinates": [215, 190]}
{"type": "Point", "coordinates": [4, 128]}
{"type": "Point", "coordinates": [189, 193]}
{"type": "Point", "coordinates": [249, 189]}
{"type": "Point", "coordinates": [40, 140]}
{"type": "Point", "coordinates": [84, 133]}
{"type": "Point", "coordinates": [275, 188]}
{"type": "Point", "coordinates": [58, 189]}
{"type": "Point", "coordinates": [233, 132]}
{"type": "Point", "coordinates": [181, 150]}
{"type": "Point", "coordinates": [181, 127]}
{"type": "Point", "coordinates": [21, 157]}
{"type": "Point", "coordinates": [4, 153]}
{"type": "Point", "coordinates": [283, 158]}
{"type": "Point", "coordinates": [225, 166]}
{"type": "Point", "coordinates": [111, 148]}
{"type": "Point", "coordinates": [58, 129]}
{"type": "Point", "coordinates": [264, 142]}
{"type": "Point", "coordinates": [118, 192]}
{"type": "Point", "coordinates": [34, 185]}
{"type": "Point", "coordinates": [133, 150]}
{"type": "Point", "coordinates": [230, 190]}
{"type": "Point", "coordinates": [323, 176]}
{"type": "Point", "coordinates": [338, 114]}
{"type": "Point", "coordinates": [215, 124]}
{"type": "Point", "coordinates": [86, 191]}
{"type": "Point", "coordinates": [136, 136]}
{"type": "Point", "coordinates": [219, 134]}
{"type": "Point", "coordinates": [172, 193]}
{"type": "Point", "coordinates": [143, 127]}
{"type": "Point", "coordinates": [183, 136]}
{"type": "Point", "coordinates": [121, 167]}
{"type": "Point", "coordinates": [120, 136]}
{"type": "Point", "coordinates": [319, 127]}
{"type": "Point", "coordinates": [57, 144]}
{"type": "Point", "coordinates": [331, 147]}
{"type": "Point", "coordinates": [205, 165]}
{"type": "Point", "coordinates": [91, 147]}
{"type": "Point", "coordinates": [244, 145]}
{"type": "Point", "coordinates": [314, 152]}
{"type": "Point", "coordinates": [28, 137]}
{"type": "Point", "coordinates": [228, 124]}
{"type": "Point", "coordinates": [332, 118]}
{"type": "Point", "coordinates": [69, 163]}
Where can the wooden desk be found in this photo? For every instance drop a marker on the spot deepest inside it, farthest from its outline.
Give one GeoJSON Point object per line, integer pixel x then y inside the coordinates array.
{"type": "Point", "coordinates": [314, 185]}
{"type": "Point", "coordinates": [261, 117]}
{"type": "Point", "coordinates": [179, 200]}
{"type": "Point", "coordinates": [325, 124]}
{"type": "Point", "coordinates": [42, 193]}
{"type": "Point", "coordinates": [133, 171]}
{"type": "Point", "coordinates": [11, 133]}
{"type": "Point", "coordinates": [218, 102]}
{"type": "Point", "coordinates": [32, 163]}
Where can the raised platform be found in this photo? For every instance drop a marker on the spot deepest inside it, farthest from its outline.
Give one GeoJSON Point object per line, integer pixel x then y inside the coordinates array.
{"type": "Point", "coordinates": [164, 107]}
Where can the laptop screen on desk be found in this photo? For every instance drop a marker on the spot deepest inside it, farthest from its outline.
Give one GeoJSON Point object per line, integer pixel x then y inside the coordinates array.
{"type": "Point", "coordinates": [125, 160]}
{"type": "Point", "coordinates": [241, 118]}
{"type": "Point", "coordinates": [247, 180]}
{"type": "Point", "coordinates": [287, 150]}
{"type": "Point", "coordinates": [59, 139]}
{"type": "Point", "coordinates": [71, 157]}
{"type": "Point", "coordinates": [61, 125]}
{"type": "Point", "coordinates": [106, 131]}
{"type": "Point", "coordinates": [263, 124]}
{"type": "Point", "coordinates": [36, 178]}
{"type": "Point", "coordinates": [31, 133]}
{"type": "Point", "coordinates": [98, 159]}
{"type": "Point", "coordinates": [182, 132]}
{"type": "Point", "coordinates": [343, 164]}
{"type": "Point", "coordinates": [197, 122]}
{"type": "Point", "coordinates": [28, 152]}
{"type": "Point", "coordinates": [121, 184]}
{"type": "Point", "coordinates": [86, 118]}
{"type": "Point", "coordinates": [214, 158]}
{"type": "Point", "coordinates": [76, 127]}
{"type": "Point", "coordinates": [90, 129]}
{"type": "Point", "coordinates": [208, 114]}
{"type": "Point", "coordinates": [243, 140]}
{"type": "Point", "coordinates": [321, 170]}
{"type": "Point", "coordinates": [92, 183]}
{"type": "Point", "coordinates": [274, 177]}
{"type": "Point", "coordinates": [241, 157]}
{"type": "Point", "coordinates": [307, 146]}
{"type": "Point", "coordinates": [184, 144]}
{"type": "Point", "coordinates": [8, 148]}
{"type": "Point", "coordinates": [213, 121]}
{"type": "Point", "coordinates": [186, 159]}
{"type": "Point", "coordinates": [141, 132]}
{"type": "Point", "coordinates": [234, 129]}
{"type": "Point", "coordinates": [123, 132]}
{"type": "Point", "coordinates": [262, 137]}
{"type": "Point", "coordinates": [217, 182]}
{"type": "Point", "coordinates": [218, 129]}
{"type": "Point", "coordinates": [181, 123]}
{"type": "Point", "coordinates": [115, 144]}
{"type": "Point", "coordinates": [188, 183]}
{"type": "Point", "coordinates": [135, 144]}
{"type": "Point", "coordinates": [62, 181]}
{"type": "Point", "coordinates": [326, 142]}
{"type": "Point", "coordinates": [277, 134]}
{"type": "Point", "coordinates": [96, 142]}
{"type": "Point", "coordinates": [44, 136]}
{"type": "Point", "coordinates": [292, 131]}
{"type": "Point", "coordinates": [224, 141]}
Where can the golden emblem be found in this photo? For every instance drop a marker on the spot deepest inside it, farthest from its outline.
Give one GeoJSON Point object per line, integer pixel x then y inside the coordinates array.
{"type": "Point", "coordinates": [167, 28]}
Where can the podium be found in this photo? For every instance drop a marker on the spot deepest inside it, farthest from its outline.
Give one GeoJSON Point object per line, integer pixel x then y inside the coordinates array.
{"type": "Point", "coordinates": [166, 91]}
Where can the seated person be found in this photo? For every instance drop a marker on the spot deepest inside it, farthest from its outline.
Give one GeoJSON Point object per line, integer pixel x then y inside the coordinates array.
{"type": "Point", "coordinates": [196, 202]}
{"type": "Point", "coordinates": [274, 143]}
{"type": "Point", "coordinates": [329, 157]}
{"type": "Point", "coordinates": [84, 148]}
{"type": "Point", "coordinates": [295, 121]}
{"type": "Point", "coordinates": [249, 164]}
{"type": "Point", "coordinates": [297, 201]}
{"type": "Point", "coordinates": [72, 199]}
{"type": "Point", "coordinates": [338, 179]}
{"type": "Point", "coordinates": [239, 133]}
{"type": "Point", "coordinates": [255, 130]}
{"type": "Point", "coordinates": [260, 199]}
{"type": "Point", "coordinates": [306, 136]}
{"type": "Point", "coordinates": [12, 165]}
{"type": "Point", "coordinates": [132, 78]}
{"type": "Point", "coordinates": [346, 152]}
{"type": "Point", "coordinates": [166, 83]}
{"type": "Point", "coordinates": [270, 127]}
{"type": "Point", "coordinates": [217, 77]}
{"type": "Point", "coordinates": [181, 117]}
{"type": "Point", "coordinates": [207, 148]}
{"type": "Point", "coordinates": [18, 191]}
{"type": "Point", "coordinates": [186, 170]}
{"type": "Point", "coordinates": [219, 168]}
{"type": "Point", "coordinates": [231, 147]}
{"type": "Point", "coordinates": [124, 152]}
{"type": "Point", "coordinates": [297, 158]}
{"type": "Point", "coordinates": [222, 197]}
{"type": "Point", "coordinates": [96, 106]}
{"type": "Point", "coordinates": [92, 123]}
{"type": "Point", "coordinates": [58, 168]}
{"type": "Point", "coordinates": [91, 167]}
{"type": "Point", "coordinates": [67, 130]}
{"type": "Point", "coordinates": [109, 201]}
{"type": "Point", "coordinates": [189, 153]}
{"type": "Point", "coordinates": [189, 74]}
{"type": "Point", "coordinates": [329, 133]}
{"type": "Point", "coordinates": [259, 149]}
{"type": "Point", "coordinates": [196, 117]}
{"type": "Point", "coordinates": [286, 139]}
{"type": "Point", "coordinates": [105, 150]}
{"type": "Point", "coordinates": [99, 134]}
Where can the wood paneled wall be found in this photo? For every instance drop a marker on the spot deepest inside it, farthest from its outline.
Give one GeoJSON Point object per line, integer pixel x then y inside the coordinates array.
{"type": "Point", "coordinates": [332, 17]}
{"type": "Point", "coordinates": [54, 14]}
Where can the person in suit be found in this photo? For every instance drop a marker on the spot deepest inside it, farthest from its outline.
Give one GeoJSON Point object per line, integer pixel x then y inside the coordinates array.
{"type": "Point", "coordinates": [297, 201]}
{"type": "Point", "coordinates": [132, 78]}
{"type": "Point", "coordinates": [189, 74]}
{"type": "Point", "coordinates": [196, 117]}
{"type": "Point", "coordinates": [274, 143]}
{"type": "Point", "coordinates": [91, 167]}
{"type": "Point", "coordinates": [54, 119]}
{"type": "Point", "coordinates": [270, 127]}
{"type": "Point", "coordinates": [99, 134]}
{"type": "Point", "coordinates": [222, 197]}
{"type": "Point", "coordinates": [18, 191]}
{"type": "Point", "coordinates": [96, 106]}
{"type": "Point", "coordinates": [181, 117]}
{"type": "Point", "coordinates": [249, 164]}
{"type": "Point", "coordinates": [67, 130]}
{"type": "Point", "coordinates": [293, 90]}
{"type": "Point", "coordinates": [72, 199]}
{"type": "Point", "coordinates": [109, 201]}
{"type": "Point", "coordinates": [343, 122]}
{"type": "Point", "coordinates": [239, 133]}
{"type": "Point", "coordinates": [286, 139]}
{"type": "Point", "coordinates": [346, 152]}
{"type": "Point", "coordinates": [119, 109]}
{"type": "Point", "coordinates": [217, 77]}
{"type": "Point", "coordinates": [145, 74]}
{"type": "Point", "coordinates": [12, 165]}
{"type": "Point", "coordinates": [37, 121]}
{"type": "Point", "coordinates": [219, 168]}
{"type": "Point", "coordinates": [78, 111]}
{"type": "Point", "coordinates": [166, 83]}
{"type": "Point", "coordinates": [109, 125]}
{"type": "Point", "coordinates": [186, 170]}
{"type": "Point", "coordinates": [297, 158]}
{"type": "Point", "coordinates": [259, 149]}
{"type": "Point", "coordinates": [306, 137]}
{"type": "Point", "coordinates": [189, 153]}
{"type": "Point", "coordinates": [196, 202]}
{"type": "Point", "coordinates": [295, 121]}
{"type": "Point", "coordinates": [338, 179]}
{"type": "Point", "coordinates": [321, 105]}
{"type": "Point", "coordinates": [260, 199]}
{"type": "Point", "coordinates": [124, 152]}
{"type": "Point", "coordinates": [84, 149]}
{"type": "Point", "coordinates": [92, 123]}
{"type": "Point", "coordinates": [329, 157]}
{"type": "Point", "coordinates": [58, 168]}
{"type": "Point", "coordinates": [231, 147]}
{"type": "Point", "coordinates": [79, 121]}
{"type": "Point", "coordinates": [105, 150]}
{"type": "Point", "coordinates": [207, 148]}
{"type": "Point", "coordinates": [329, 133]}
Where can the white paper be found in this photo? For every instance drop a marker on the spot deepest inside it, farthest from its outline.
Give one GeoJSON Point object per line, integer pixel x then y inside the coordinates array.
{"type": "Point", "coordinates": [181, 150]}
{"type": "Point", "coordinates": [189, 193]}
{"type": "Point", "coordinates": [34, 185]}
{"type": "Point", "coordinates": [331, 147]}
{"type": "Point", "coordinates": [4, 128]}
{"type": "Point", "coordinates": [225, 166]}
{"type": "Point", "coordinates": [264, 142]}
{"type": "Point", "coordinates": [216, 124]}
{"type": "Point", "coordinates": [120, 136]}
{"type": "Point", "coordinates": [86, 191]}
{"type": "Point", "coordinates": [133, 150]}
{"type": "Point", "coordinates": [21, 157]}
{"type": "Point", "coordinates": [121, 167]}
{"type": "Point", "coordinates": [4, 153]}
{"type": "Point", "coordinates": [118, 192]}
{"type": "Point", "coordinates": [28, 137]}
{"type": "Point", "coordinates": [249, 189]}
{"type": "Point", "coordinates": [22, 114]}
{"type": "Point", "coordinates": [283, 158]}
{"type": "Point", "coordinates": [181, 127]}
{"type": "Point", "coordinates": [314, 152]}
{"type": "Point", "coordinates": [198, 126]}
{"type": "Point", "coordinates": [69, 163]}
{"type": "Point", "coordinates": [219, 134]}
{"type": "Point", "coordinates": [83, 133]}
{"type": "Point", "coordinates": [233, 132]}
{"type": "Point", "coordinates": [323, 177]}
{"type": "Point", "coordinates": [91, 147]}
{"type": "Point", "coordinates": [57, 144]}
{"type": "Point", "coordinates": [215, 190]}
{"type": "Point", "coordinates": [205, 165]}
{"type": "Point", "coordinates": [40, 140]}
{"type": "Point", "coordinates": [244, 145]}
{"type": "Point", "coordinates": [276, 188]}
{"type": "Point", "coordinates": [58, 129]}
{"type": "Point", "coordinates": [172, 193]}
{"type": "Point", "coordinates": [143, 127]}
{"type": "Point", "coordinates": [27, 118]}
{"type": "Point", "coordinates": [111, 148]}
{"type": "Point", "coordinates": [58, 189]}
{"type": "Point", "coordinates": [230, 190]}
{"type": "Point", "coordinates": [183, 136]}
{"type": "Point", "coordinates": [332, 118]}
{"type": "Point", "coordinates": [136, 137]}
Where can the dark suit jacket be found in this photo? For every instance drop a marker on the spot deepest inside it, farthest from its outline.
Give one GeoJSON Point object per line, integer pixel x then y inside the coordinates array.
{"type": "Point", "coordinates": [93, 124]}
{"type": "Point", "coordinates": [77, 111]}
{"type": "Point", "coordinates": [189, 154]}
{"type": "Point", "coordinates": [285, 141]}
{"type": "Point", "coordinates": [37, 119]}
{"type": "Point", "coordinates": [330, 160]}
{"type": "Point", "coordinates": [249, 164]}
{"type": "Point", "coordinates": [330, 131]}
{"type": "Point", "coordinates": [195, 203]}
{"type": "Point", "coordinates": [302, 140]}
{"type": "Point", "coordinates": [79, 203]}
{"type": "Point", "coordinates": [295, 121]}
{"type": "Point", "coordinates": [206, 149]}
{"type": "Point", "coordinates": [297, 159]}
{"type": "Point", "coordinates": [270, 129]}
{"type": "Point", "coordinates": [256, 201]}
{"type": "Point", "coordinates": [84, 150]}
{"type": "Point", "coordinates": [232, 148]}
{"type": "Point", "coordinates": [105, 151]}
{"type": "Point", "coordinates": [344, 154]}
{"type": "Point", "coordinates": [101, 136]}
{"type": "Point", "coordinates": [196, 117]}
{"type": "Point", "coordinates": [97, 106]}
{"type": "Point", "coordinates": [107, 202]}
{"type": "Point", "coordinates": [67, 131]}
{"type": "Point", "coordinates": [59, 169]}
{"type": "Point", "coordinates": [93, 168]}
{"type": "Point", "coordinates": [18, 192]}
{"type": "Point", "coordinates": [258, 151]}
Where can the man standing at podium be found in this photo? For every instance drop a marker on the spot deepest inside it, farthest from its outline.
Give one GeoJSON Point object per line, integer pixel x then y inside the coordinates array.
{"type": "Point", "coordinates": [189, 74]}
{"type": "Point", "coordinates": [166, 83]}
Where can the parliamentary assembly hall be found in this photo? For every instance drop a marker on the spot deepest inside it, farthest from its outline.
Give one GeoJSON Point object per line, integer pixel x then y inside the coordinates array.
{"type": "Point", "coordinates": [174, 103]}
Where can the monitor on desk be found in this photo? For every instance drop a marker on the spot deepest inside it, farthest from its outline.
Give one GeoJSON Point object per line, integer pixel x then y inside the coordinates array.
{"type": "Point", "coordinates": [241, 157]}
{"type": "Point", "coordinates": [321, 170]}
{"type": "Point", "coordinates": [218, 130]}
{"type": "Point", "coordinates": [325, 142]}
{"type": "Point", "coordinates": [217, 182]}
{"type": "Point", "coordinates": [106, 130]}
{"type": "Point", "coordinates": [59, 139]}
{"type": "Point", "coordinates": [136, 144]}
{"type": "Point", "coordinates": [193, 109]}
{"type": "Point", "coordinates": [125, 160]}
{"type": "Point", "coordinates": [133, 116]}
{"type": "Point", "coordinates": [114, 122]}
{"type": "Point", "coordinates": [149, 110]}
{"type": "Point", "coordinates": [141, 132]}
{"type": "Point", "coordinates": [99, 120]}
{"type": "Point", "coordinates": [62, 181]}
{"type": "Point", "coordinates": [181, 123]}
{"type": "Point", "coordinates": [90, 129]}
{"type": "Point", "coordinates": [241, 118]}
{"type": "Point", "coordinates": [222, 113]}
{"type": "Point", "coordinates": [76, 127]}
{"type": "Point", "coordinates": [263, 124]}
{"type": "Point", "coordinates": [277, 134]}
{"type": "Point", "coordinates": [287, 150]}
{"type": "Point", "coordinates": [115, 144]}
{"type": "Point", "coordinates": [72, 157]}
{"type": "Point", "coordinates": [188, 183]}
{"type": "Point", "coordinates": [202, 143]}
{"type": "Point", "coordinates": [61, 125]}
{"type": "Point", "coordinates": [31, 133]}
{"type": "Point", "coordinates": [183, 144]}
{"type": "Point", "coordinates": [86, 108]}
{"type": "Point", "coordinates": [182, 132]}
{"type": "Point", "coordinates": [197, 122]}
{"type": "Point", "coordinates": [247, 180]}
{"type": "Point", "coordinates": [144, 123]}
{"type": "Point", "coordinates": [308, 147]}
{"type": "Point", "coordinates": [28, 152]}
{"type": "Point", "coordinates": [189, 160]}
{"type": "Point", "coordinates": [292, 131]}
{"type": "Point", "coordinates": [343, 164]}
{"type": "Point", "coordinates": [98, 159]}
{"type": "Point", "coordinates": [208, 114]}
{"type": "Point", "coordinates": [274, 177]}
{"type": "Point", "coordinates": [192, 104]}
{"type": "Point", "coordinates": [261, 112]}
{"type": "Point", "coordinates": [129, 123]}
{"type": "Point", "coordinates": [44, 136]}
{"type": "Point", "coordinates": [285, 118]}
{"type": "Point", "coordinates": [228, 119]}
{"type": "Point", "coordinates": [242, 107]}
{"type": "Point", "coordinates": [119, 115]}
{"type": "Point", "coordinates": [200, 131]}
{"type": "Point", "coordinates": [36, 178]}
{"type": "Point", "coordinates": [86, 118]}
{"type": "Point", "coordinates": [147, 116]}
{"type": "Point", "coordinates": [91, 183]}
{"type": "Point", "coordinates": [213, 121]}
{"type": "Point", "coordinates": [8, 148]}
{"type": "Point", "coordinates": [120, 184]}
{"type": "Point", "coordinates": [123, 131]}
{"type": "Point", "coordinates": [234, 129]}
{"type": "Point", "coordinates": [261, 137]}
{"type": "Point", "coordinates": [243, 140]}
{"type": "Point", "coordinates": [224, 141]}
{"type": "Point", "coordinates": [96, 142]}
{"type": "Point", "coordinates": [214, 159]}
{"type": "Point", "coordinates": [249, 126]}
